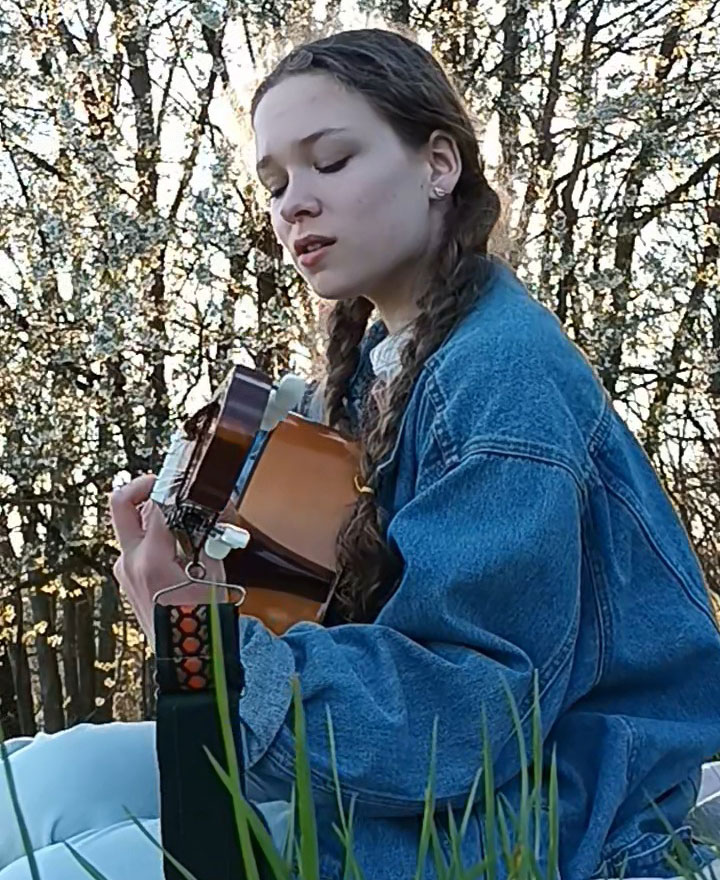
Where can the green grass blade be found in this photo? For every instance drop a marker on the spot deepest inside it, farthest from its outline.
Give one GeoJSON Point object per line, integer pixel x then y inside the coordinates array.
{"type": "Point", "coordinates": [188, 875]}
{"type": "Point", "coordinates": [309, 858]}
{"type": "Point", "coordinates": [429, 807]}
{"type": "Point", "coordinates": [537, 763]}
{"type": "Point", "coordinates": [333, 764]}
{"type": "Point", "coordinates": [681, 870]}
{"type": "Point", "coordinates": [683, 857]}
{"type": "Point", "coordinates": [351, 867]}
{"type": "Point", "coordinates": [221, 695]}
{"type": "Point", "coordinates": [255, 823]}
{"type": "Point", "coordinates": [470, 803]}
{"type": "Point", "coordinates": [504, 837]}
{"type": "Point", "coordinates": [349, 851]}
{"type": "Point", "coordinates": [24, 835]}
{"type": "Point", "coordinates": [489, 792]}
{"type": "Point", "coordinates": [441, 867]}
{"type": "Point", "coordinates": [533, 868]}
{"type": "Point", "coordinates": [682, 863]}
{"type": "Point", "coordinates": [523, 818]}
{"type": "Point", "coordinates": [221, 772]}
{"type": "Point", "coordinates": [289, 850]}
{"type": "Point", "coordinates": [554, 824]}
{"type": "Point", "coordinates": [85, 864]}
{"type": "Point", "coordinates": [345, 834]}
{"type": "Point", "coordinates": [455, 841]}
{"type": "Point", "coordinates": [479, 869]}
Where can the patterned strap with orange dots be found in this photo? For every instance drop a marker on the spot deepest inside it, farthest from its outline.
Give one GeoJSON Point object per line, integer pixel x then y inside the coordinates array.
{"type": "Point", "coordinates": [197, 824]}
{"type": "Point", "coordinates": [184, 647]}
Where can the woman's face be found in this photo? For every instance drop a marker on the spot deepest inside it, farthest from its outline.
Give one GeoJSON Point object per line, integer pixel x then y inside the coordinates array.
{"type": "Point", "coordinates": [336, 169]}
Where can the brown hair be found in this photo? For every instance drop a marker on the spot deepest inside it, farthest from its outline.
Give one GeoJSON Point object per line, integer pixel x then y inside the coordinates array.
{"type": "Point", "coordinates": [410, 90]}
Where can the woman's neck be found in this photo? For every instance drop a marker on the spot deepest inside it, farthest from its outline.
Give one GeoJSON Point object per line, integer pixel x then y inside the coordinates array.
{"type": "Point", "coordinates": [397, 305]}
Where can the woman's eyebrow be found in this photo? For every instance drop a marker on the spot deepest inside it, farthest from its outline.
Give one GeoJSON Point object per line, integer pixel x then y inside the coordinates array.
{"type": "Point", "coordinates": [308, 139]}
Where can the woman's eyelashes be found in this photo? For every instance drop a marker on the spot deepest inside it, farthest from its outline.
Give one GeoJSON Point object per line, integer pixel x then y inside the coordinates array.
{"type": "Point", "coordinates": [336, 166]}
{"type": "Point", "coordinates": [325, 169]}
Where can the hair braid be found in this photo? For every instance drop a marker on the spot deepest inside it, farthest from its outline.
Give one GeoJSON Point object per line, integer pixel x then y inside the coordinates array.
{"type": "Point", "coordinates": [346, 327]}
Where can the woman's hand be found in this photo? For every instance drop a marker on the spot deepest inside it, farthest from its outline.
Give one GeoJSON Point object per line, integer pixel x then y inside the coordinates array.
{"type": "Point", "coordinates": [148, 561]}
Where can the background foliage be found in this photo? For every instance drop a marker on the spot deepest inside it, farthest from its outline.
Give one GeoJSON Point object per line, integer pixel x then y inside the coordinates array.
{"type": "Point", "coordinates": [137, 261]}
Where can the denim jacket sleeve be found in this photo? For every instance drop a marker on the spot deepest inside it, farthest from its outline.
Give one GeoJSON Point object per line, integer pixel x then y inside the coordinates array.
{"type": "Point", "coordinates": [489, 595]}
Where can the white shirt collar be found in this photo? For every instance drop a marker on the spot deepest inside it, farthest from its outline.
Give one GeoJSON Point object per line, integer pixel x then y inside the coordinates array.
{"type": "Point", "coordinates": [385, 356]}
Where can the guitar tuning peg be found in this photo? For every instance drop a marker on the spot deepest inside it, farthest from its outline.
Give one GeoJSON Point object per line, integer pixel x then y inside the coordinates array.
{"type": "Point", "coordinates": [224, 538]}
{"type": "Point", "coordinates": [282, 400]}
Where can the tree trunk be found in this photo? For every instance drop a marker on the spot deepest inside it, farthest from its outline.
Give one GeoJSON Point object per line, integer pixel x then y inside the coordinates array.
{"type": "Point", "coordinates": [70, 666]}
{"type": "Point", "coordinates": [510, 73]}
{"type": "Point", "coordinates": [9, 717]}
{"type": "Point", "coordinates": [109, 608]}
{"type": "Point", "coordinates": [271, 358]}
{"type": "Point", "coordinates": [21, 674]}
{"type": "Point", "coordinates": [86, 654]}
{"type": "Point", "coordinates": [48, 670]}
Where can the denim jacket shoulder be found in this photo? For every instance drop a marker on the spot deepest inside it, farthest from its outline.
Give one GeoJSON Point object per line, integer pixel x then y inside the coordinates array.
{"type": "Point", "coordinates": [525, 385]}
{"type": "Point", "coordinates": [510, 381]}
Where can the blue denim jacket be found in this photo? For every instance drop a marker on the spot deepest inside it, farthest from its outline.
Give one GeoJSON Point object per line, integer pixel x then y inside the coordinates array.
{"type": "Point", "coordinates": [535, 536]}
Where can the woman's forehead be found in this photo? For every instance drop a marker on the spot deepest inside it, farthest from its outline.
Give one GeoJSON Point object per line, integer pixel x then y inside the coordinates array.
{"type": "Point", "coordinates": [294, 110]}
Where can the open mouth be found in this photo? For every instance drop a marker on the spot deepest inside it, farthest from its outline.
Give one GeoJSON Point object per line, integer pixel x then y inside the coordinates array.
{"type": "Point", "coordinates": [314, 254]}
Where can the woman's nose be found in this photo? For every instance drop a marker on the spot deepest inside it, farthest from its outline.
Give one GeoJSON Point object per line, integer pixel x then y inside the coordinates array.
{"type": "Point", "coordinates": [298, 202]}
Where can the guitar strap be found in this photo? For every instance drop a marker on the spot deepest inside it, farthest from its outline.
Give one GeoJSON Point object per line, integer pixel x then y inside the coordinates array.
{"type": "Point", "coordinates": [196, 814]}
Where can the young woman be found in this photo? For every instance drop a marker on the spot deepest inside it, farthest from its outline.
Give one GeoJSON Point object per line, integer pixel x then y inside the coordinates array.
{"type": "Point", "coordinates": [508, 523]}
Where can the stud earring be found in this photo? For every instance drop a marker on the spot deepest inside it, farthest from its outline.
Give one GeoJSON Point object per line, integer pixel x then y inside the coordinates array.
{"type": "Point", "coordinates": [438, 192]}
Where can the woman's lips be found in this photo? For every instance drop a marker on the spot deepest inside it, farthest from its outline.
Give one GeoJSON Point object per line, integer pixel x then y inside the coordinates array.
{"type": "Point", "coordinates": [309, 259]}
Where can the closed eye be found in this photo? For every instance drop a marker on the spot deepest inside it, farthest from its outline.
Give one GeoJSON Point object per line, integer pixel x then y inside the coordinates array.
{"type": "Point", "coordinates": [336, 166]}
{"type": "Point", "coordinates": [327, 169]}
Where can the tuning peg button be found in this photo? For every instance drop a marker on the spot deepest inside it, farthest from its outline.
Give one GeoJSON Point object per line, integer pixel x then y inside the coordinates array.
{"type": "Point", "coordinates": [224, 538]}
{"type": "Point", "coordinates": [282, 400]}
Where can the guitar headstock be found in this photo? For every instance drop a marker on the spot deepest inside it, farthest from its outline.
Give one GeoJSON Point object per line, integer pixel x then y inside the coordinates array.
{"type": "Point", "coordinates": [206, 456]}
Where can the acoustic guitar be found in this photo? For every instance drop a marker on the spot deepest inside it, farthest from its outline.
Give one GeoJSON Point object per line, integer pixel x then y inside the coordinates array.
{"type": "Point", "coordinates": [287, 481]}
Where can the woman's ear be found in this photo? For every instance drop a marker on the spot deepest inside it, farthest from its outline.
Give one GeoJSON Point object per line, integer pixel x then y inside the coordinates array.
{"type": "Point", "coordinates": [443, 157]}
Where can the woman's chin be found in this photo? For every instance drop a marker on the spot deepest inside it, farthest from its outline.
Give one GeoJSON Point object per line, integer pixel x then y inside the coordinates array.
{"type": "Point", "coordinates": [329, 287]}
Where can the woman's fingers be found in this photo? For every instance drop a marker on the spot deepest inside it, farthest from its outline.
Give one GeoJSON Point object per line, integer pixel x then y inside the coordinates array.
{"type": "Point", "coordinates": [149, 562]}
{"type": "Point", "coordinates": [159, 535]}
{"type": "Point", "coordinates": [124, 511]}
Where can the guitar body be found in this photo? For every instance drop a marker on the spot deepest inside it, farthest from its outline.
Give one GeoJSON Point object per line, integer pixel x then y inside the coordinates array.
{"type": "Point", "coordinates": [290, 487]}
{"type": "Point", "coordinates": [297, 497]}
